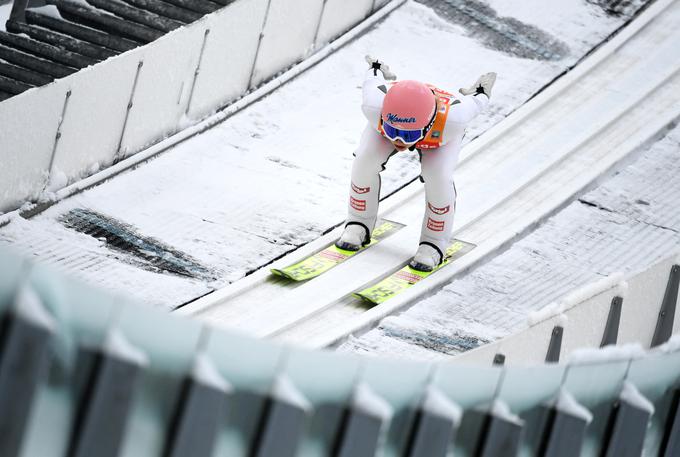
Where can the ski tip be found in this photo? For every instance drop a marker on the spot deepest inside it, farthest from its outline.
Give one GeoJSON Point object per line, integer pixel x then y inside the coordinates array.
{"type": "Point", "coordinates": [281, 274]}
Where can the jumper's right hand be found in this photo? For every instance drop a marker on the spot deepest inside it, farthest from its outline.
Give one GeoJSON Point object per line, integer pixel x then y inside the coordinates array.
{"type": "Point", "coordinates": [483, 85]}
{"type": "Point", "coordinates": [376, 65]}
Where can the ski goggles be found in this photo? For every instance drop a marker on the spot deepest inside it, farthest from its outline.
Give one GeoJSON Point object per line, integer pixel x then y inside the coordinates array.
{"type": "Point", "coordinates": [406, 136]}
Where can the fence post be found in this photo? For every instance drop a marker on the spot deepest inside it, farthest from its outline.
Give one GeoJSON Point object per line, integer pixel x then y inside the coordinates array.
{"type": "Point", "coordinates": [117, 156]}
{"type": "Point", "coordinates": [197, 71]}
{"type": "Point", "coordinates": [555, 346]}
{"type": "Point", "coordinates": [57, 137]}
{"type": "Point", "coordinates": [318, 25]}
{"type": "Point", "coordinates": [611, 329]}
{"type": "Point", "coordinates": [259, 43]}
{"type": "Point", "coordinates": [664, 325]}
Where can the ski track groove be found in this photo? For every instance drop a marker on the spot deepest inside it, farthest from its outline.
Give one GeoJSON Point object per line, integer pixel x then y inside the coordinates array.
{"type": "Point", "coordinates": [606, 137]}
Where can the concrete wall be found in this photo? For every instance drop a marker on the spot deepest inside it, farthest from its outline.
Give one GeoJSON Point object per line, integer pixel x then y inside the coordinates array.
{"type": "Point", "coordinates": [62, 132]}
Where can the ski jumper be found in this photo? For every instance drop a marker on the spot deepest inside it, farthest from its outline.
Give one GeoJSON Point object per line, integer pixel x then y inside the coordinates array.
{"type": "Point", "coordinates": [439, 152]}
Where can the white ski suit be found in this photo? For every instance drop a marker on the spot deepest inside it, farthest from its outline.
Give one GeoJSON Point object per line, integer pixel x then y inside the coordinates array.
{"type": "Point", "coordinates": [437, 165]}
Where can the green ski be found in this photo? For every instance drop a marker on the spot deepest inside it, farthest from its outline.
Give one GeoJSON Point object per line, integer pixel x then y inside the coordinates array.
{"type": "Point", "coordinates": [401, 280]}
{"type": "Point", "coordinates": [327, 258]}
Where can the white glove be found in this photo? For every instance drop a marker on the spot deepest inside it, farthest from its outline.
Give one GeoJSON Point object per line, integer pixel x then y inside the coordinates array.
{"type": "Point", "coordinates": [377, 65]}
{"type": "Point", "coordinates": [482, 86]}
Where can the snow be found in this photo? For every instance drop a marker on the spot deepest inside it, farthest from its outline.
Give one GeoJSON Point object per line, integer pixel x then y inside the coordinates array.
{"type": "Point", "coordinates": [624, 225]}
{"type": "Point", "coordinates": [5, 11]}
{"type": "Point", "coordinates": [501, 410]}
{"type": "Point", "coordinates": [117, 345]}
{"type": "Point", "coordinates": [606, 354]}
{"type": "Point", "coordinates": [631, 395]}
{"type": "Point", "coordinates": [613, 283]}
{"type": "Point", "coordinates": [48, 10]}
{"type": "Point", "coordinates": [205, 372]}
{"type": "Point", "coordinates": [566, 403]}
{"type": "Point", "coordinates": [438, 404]}
{"type": "Point", "coordinates": [28, 306]}
{"type": "Point", "coordinates": [369, 403]}
{"type": "Point", "coordinates": [284, 390]}
{"type": "Point", "coordinates": [257, 188]}
{"type": "Point", "coordinates": [672, 345]}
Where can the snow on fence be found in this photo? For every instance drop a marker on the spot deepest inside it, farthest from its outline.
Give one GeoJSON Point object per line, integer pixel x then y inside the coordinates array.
{"type": "Point", "coordinates": [84, 373]}
{"type": "Point", "coordinates": [637, 311]}
{"type": "Point", "coordinates": [54, 135]}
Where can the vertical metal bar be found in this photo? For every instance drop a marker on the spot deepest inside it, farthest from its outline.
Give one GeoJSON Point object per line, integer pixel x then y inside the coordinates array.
{"type": "Point", "coordinates": [18, 12]}
{"type": "Point", "coordinates": [555, 346]}
{"type": "Point", "coordinates": [197, 71]}
{"type": "Point", "coordinates": [664, 324]}
{"type": "Point", "coordinates": [434, 427]}
{"type": "Point", "coordinates": [359, 434]}
{"type": "Point", "coordinates": [196, 420]}
{"type": "Point", "coordinates": [259, 43]}
{"type": "Point", "coordinates": [318, 25]}
{"type": "Point", "coordinates": [670, 444]}
{"type": "Point", "coordinates": [117, 155]}
{"type": "Point", "coordinates": [105, 405]}
{"type": "Point", "coordinates": [373, 7]}
{"type": "Point", "coordinates": [563, 435]}
{"type": "Point", "coordinates": [57, 137]}
{"type": "Point", "coordinates": [279, 431]}
{"type": "Point", "coordinates": [611, 329]}
{"type": "Point", "coordinates": [23, 364]}
{"type": "Point", "coordinates": [625, 434]}
{"type": "Point", "coordinates": [499, 438]}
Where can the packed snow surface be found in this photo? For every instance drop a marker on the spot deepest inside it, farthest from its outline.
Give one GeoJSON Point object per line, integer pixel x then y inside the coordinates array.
{"type": "Point", "coordinates": [275, 175]}
{"type": "Point", "coordinates": [625, 225]}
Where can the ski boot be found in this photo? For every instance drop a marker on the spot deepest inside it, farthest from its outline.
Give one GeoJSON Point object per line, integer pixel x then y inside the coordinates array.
{"type": "Point", "coordinates": [353, 238]}
{"type": "Point", "coordinates": [426, 259]}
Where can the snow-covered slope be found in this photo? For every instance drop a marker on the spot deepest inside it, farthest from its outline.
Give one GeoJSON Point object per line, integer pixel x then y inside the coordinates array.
{"type": "Point", "coordinates": [274, 176]}
{"type": "Point", "coordinates": [623, 225]}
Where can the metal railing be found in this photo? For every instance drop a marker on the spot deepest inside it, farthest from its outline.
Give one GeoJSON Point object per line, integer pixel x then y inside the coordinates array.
{"type": "Point", "coordinates": [83, 373]}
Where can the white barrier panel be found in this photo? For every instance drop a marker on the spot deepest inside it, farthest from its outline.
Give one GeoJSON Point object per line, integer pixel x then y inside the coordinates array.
{"type": "Point", "coordinates": [228, 55]}
{"type": "Point", "coordinates": [94, 118]}
{"type": "Point", "coordinates": [584, 318]}
{"type": "Point", "coordinates": [642, 303]}
{"type": "Point", "coordinates": [28, 125]}
{"type": "Point", "coordinates": [339, 16]}
{"type": "Point", "coordinates": [288, 36]}
{"type": "Point", "coordinates": [163, 88]}
{"type": "Point", "coordinates": [98, 128]}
